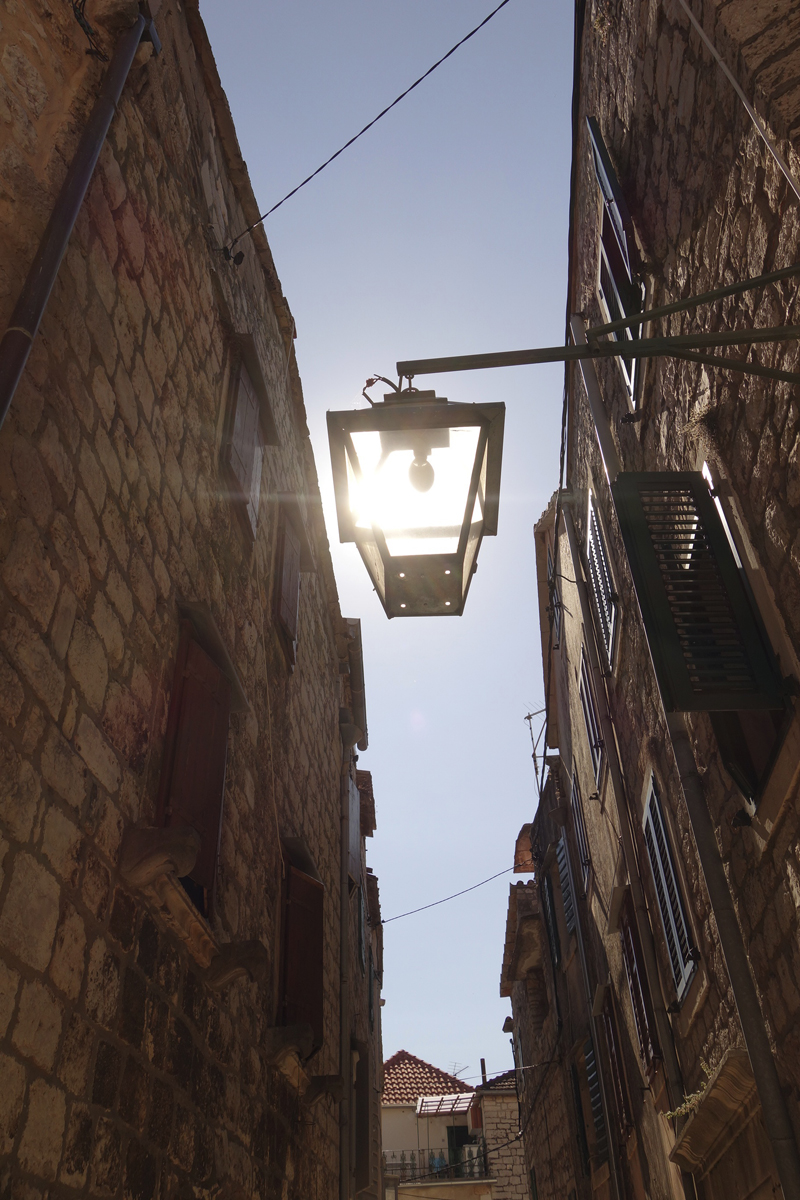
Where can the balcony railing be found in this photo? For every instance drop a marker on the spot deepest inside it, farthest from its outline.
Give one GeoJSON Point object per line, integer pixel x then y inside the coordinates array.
{"type": "Point", "coordinates": [468, 1162]}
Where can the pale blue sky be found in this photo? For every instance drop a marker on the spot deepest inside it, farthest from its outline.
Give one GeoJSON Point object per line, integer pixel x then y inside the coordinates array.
{"type": "Point", "coordinates": [442, 231]}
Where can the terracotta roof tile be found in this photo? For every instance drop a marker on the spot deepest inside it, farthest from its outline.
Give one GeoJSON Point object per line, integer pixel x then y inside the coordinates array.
{"type": "Point", "coordinates": [507, 1082]}
{"type": "Point", "coordinates": [406, 1078]}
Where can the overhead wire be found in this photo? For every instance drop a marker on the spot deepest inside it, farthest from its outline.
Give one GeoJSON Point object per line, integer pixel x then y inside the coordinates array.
{"type": "Point", "coordinates": [434, 904]}
{"type": "Point", "coordinates": [361, 132]}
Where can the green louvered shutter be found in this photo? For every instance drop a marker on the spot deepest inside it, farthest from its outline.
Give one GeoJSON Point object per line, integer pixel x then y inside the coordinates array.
{"type": "Point", "coordinates": [596, 1100]}
{"type": "Point", "coordinates": [565, 879]}
{"type": "Point", "coordinates": [709, 648]}
{"type": "Point", "coordinates": [548, 907]}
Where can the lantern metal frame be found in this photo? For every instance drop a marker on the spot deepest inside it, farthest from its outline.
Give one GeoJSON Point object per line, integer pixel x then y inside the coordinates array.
{"type": "Point", "coordinates": [413, 585]}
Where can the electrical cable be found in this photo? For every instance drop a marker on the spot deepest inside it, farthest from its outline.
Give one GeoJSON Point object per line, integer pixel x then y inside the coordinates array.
{"type": "Point", "coordinates": [374, 121]}
{"type": "Point", "coordinates": [444, 901]}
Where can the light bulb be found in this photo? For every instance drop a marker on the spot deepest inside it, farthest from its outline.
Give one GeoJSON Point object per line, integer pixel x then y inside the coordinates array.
{"type": "Point", "coordinates": [420, 475]}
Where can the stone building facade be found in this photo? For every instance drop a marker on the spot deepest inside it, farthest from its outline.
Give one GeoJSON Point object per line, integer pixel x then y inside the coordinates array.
{"type": "Point", "coordinates": [498, 1104]}
{"type": "Point", "coordinates": [190, 954]}
{"type": "Point", "coordinates": [660, 818]}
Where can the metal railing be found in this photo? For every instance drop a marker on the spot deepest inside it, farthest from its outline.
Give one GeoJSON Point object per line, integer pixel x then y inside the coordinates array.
{"type": "Point", "coordinates": [467, 1162]}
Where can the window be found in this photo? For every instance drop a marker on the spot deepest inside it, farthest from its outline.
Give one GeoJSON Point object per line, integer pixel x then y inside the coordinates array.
{"type": "Point", "coordinates": [362, 930]}
{"type": "Point", "coordinates": [244, 450]}
{"type": "Point", "coordinates": [583, 1144]}
{"type": "Point", "coordinates": [602, 587]}
{"type": "Point", "coordinates": [709, 648]}
{"type": "Point", "coordinates": [192, 783]}
{"type": "Point", "coordinates": [302, 975]}
{"type": "Point", "coordinates": [622, 1105]}
{"type": "Point", "coordinates": [287, 591]}
{"type": "Point", "coordinates": [576, 805]}
{"type": "Point", "coordinates": [621, 290]}
{"type": "Point", "coordinates": [590, 716]}
{"type": "Point", "coordinates": [637, 985]}
{"type": "Point", "coordinates": [565, 879]}
{"type": "Point", "coordinates": [534, 1188]}
{"type": "Point", "coordinates": [668, 894]}
{"type": "Point", "coordinates": [555, 599]}
{"type": "Point", "coordinates": [549, 909]}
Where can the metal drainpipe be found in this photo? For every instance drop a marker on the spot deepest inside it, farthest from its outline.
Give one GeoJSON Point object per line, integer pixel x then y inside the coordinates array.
{"type": "Point", "coordinates": [17, 340]}
{"type": "Point", "coordinates": [345, 1063]}
{"type": "Point", "coordinates": [612, 1149]}
{"type": "Point", "coordinates": [624, 817]}
{"type": "Point", "coordinates": [774, 1111]}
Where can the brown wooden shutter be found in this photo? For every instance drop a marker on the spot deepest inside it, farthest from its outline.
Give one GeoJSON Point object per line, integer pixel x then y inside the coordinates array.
{"type": "Point", "coordinates": [709, 648]}
{"type": "Point", "coordinates": [362, 1118]}
{"type": "Point", "coordinates": [637, 985]}
{"type": "Point", "coordinates": [617, 1076]}
{"type": "Point", "coordinates": [288, 597]}
{"type": "Point", "coordinates": [245, 447]}
{"type": "Point", "coordinates": [195, 762]}
{"type": "Point", "coordinates": [303, 953]}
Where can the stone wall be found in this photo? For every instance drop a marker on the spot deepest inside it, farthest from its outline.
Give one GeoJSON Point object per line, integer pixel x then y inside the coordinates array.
{"type": "Point", "coordinates": [501, 1123]}
{"type": "Point", "coordinates": [123, 1072]}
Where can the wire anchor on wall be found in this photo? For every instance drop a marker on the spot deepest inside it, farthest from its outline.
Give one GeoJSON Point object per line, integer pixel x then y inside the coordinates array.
{"type": "Point", "coordinates": [79, 12]}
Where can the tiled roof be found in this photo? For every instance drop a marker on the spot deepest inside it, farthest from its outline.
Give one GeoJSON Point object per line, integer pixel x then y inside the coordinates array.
{"type": "Point", "coordinates": [507, 1082]}
{"type": "Point", "coordinates": [406, 1078]}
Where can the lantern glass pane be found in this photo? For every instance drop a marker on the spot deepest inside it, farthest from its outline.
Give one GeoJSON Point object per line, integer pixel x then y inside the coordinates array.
{"type": "Point", "coordinates": [383, 497]}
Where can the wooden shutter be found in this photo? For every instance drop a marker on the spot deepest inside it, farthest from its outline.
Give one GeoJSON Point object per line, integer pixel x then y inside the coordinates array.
{"type": "Point", "coordinates": [354, 832]}
{"type": "Point", "coordinates": [564, 875]}
{"type": "Point", "coordinates": [555, 599]}
{"type": "Point", "coordinates": [613, 200]}
{"type": "Point", "coordinates": [362, 1118]}
{"type": "Point", "coordinates": [371, 991]}
{"type": "Point", "coordinates": [668, 893]}
{"type": "Point", "coordinates": [194, 794]}
{"type": "Point", "coordinates": [583, 1145]}
{"type": "Point", "coordinates": [709, 648]}
{"type": "Point", "coordinates": [576, 805]}
{"type": "Point", "coordinates": [591, 719]}
{"type": "Point", "coordinates": [245, 446]}
{"type": "Point", "coordinates": [596, 1100]}
{"type": "Point", "coordinates": [549, 910]}
{"type": "Point", "coordinates": [615, 1061]}
{"type": "Point", "coordinates": [303, 953]}
{"type": "Point", "coordinates": [637, 986]}
{"type": "Point", "coordinates": [601, 585]}
{"type": "Point", "coordinates": [288, 596]}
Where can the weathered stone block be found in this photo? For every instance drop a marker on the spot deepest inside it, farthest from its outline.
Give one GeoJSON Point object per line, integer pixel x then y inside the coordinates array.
{"type": "Point", "coordinates": [102, 984]}
{"type": "Point", "coordinates": [19, 792]}
{"type": "Point", "coordinates": [106, 1171]}
{"type": "Point", "coordinates": [9, 987]}
{"type": "Point", "coordinates": [31, 657]}
{"type": "Point", "coordinates": [61, 845]}
{"type": "Point", "coordinates": [12, 1095]}
{"type": "Point", "coordinates": [12, 694]}
{"type": "Point", "coordinates": [92, 477]}
{"type": "Point", "coordinates": [120, 596]}
{"type": "Point", "coordinates": [56, 458]}
{"type": "Point", "coordinates": [77, 1148]}
{"type": "Point", "coordinates": [86, 659]}
{"type": "Point", "coordinates": [69, 954]}
{"type": "Point", "coordinates": [107, 625]}
{"type": "Point", "coordinates": [126, 726]}
{"type": "Point", "coordinates": [76, 1053]}
{"type": "Point", "coordinates": [63, 770]}
{"type": "Point", "coordinates": [38, 1025]}
{"type": "Point", "coordinates": [90, 532]}
{"type": "Point", "coordinates": [30, 913]}
{"type": "Point", "coordinates": [31, 480]}
{"type": "Point", "coordinates": [42, 1138]}
{"type": "Point", "coordinates": [97, 754]}
{"type": "Point", "coordinates": [72, 557]}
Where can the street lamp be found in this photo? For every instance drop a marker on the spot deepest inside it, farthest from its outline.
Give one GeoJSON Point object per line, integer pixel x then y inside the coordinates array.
{"type": "Point", "coordinates": [417, 483]}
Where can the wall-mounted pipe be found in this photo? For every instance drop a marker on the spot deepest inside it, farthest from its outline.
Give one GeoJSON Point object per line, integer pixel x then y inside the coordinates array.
{"type": "Point", "coordinates": [24, 324]}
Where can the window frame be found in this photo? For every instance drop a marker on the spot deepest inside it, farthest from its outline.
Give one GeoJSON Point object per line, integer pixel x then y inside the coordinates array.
{"type": "Point", "coordinates": [244, 481]}
{"type": "Point", "coordinates": [618, 256]}
{"type": "Point", "coordinates": [554, 597]}
{"type": "Point", "coordinates": [638, 988]}
{"type": "Point", "coordinates": [668, 898]}
{"type": "Point", "coordinates": [581, 837]}
{"type": "Point", "coordinates": [591, 718]}
{"type": "Point", "coordinates": [601, 580]}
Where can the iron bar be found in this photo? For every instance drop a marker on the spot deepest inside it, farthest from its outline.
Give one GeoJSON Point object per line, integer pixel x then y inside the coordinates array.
{"type": "Point", "coordinates": [16, 343]}
{"type": "Point", "coordinates": [637, 348]}
{"type": "Point", "coordinates": [666, 310]}
{"type": "Point", "coordinates": [738, 364]}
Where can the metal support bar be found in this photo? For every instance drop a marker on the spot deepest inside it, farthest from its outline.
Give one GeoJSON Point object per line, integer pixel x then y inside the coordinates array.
{"type": "Point", "coordinates": [666, 310]}
{"type": "Point", "coordinates": [636, 348]}
{"type": "Point", "coordinates": [17, 340]}
{"type": "Point", "coordinates": [736, 364]}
